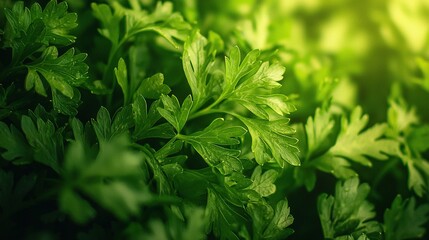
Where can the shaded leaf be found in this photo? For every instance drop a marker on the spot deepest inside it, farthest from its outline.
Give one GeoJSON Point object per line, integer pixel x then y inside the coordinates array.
{"type": "Point", "coordinates": [405, 220]}
{"type": "Point", "coordinates": [175, 114]}
{"type": "Point", "coordinates": [271, 140]}
{"type": "Point", "coordinates": [211, 143]}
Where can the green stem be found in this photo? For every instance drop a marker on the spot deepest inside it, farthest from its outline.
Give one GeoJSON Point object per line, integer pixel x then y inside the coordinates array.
{"type": "Point", "coordinates": [203, 112]}
{"type": "Point", "coordinates": [117, 47]}
{"type": "Point", "coordinates": [112, 61]}
{"type": "Point", "coordinates": [108, 74]}
{"type": "Point", "coordinates": [208, 109]}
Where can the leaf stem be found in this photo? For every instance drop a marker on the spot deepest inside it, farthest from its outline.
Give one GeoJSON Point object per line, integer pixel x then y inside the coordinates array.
{"type": "Point", "coordinates": [108, 74]}
{"type": "Point", "coordinates": [209, 109]}
{"type": "Point", "coordinates": [203, 112]}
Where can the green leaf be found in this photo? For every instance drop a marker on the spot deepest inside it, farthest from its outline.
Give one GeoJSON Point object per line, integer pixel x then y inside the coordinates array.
{"type": "Point", "coordinates": [145, 120]}
{"type": "Point", "coordinates": [261, 213]}
{"type": "Point", "coordinates": [110, 22]}
{"type": "Point", "coordinates": [102, 126]}
{"type": "Point", "coordinates": [423, 66]}
{"type": "Point", "coordinates": [121, 198]}
{"type": "Point", "coordinates": [24, 43]}
{"type": "Point", "coordinates": [270, 223]}
{"type": "Point", "coordinates": [163, 183]}
{"type": "Point", "coordinates": [170, 25]}
{"type": "Point", "coordinates": [106, 129]}
{"type": "Point", "coordinates": [175, 114]}
{"type": "Point", "coordinates": [191, 228]}
{"type": "Point", "coordinates": [23, 34]}
{"type": "Point", "coordinates": [197, 62]}
{"type": "Point", "coordinates": [305, 176]}
{"type": "Point", "coordinates": [250, 82]}
{"type": "Point", "coordinates": [121, 77]}
{"type": "Point", "coordinates": [196, 222]}
{"type": "Point", "coordinates": [16, 147]}
{"type": "Point", "coordinates": [239, 184]}
{"type": "Point", "coordinates": [224, 218]}
{"type": "Point", "coordinates": [263, 183]}
{"type": "Point", "coordinates": [211, 143]}
{"type": "Point", "coordinates": [278, 226]}
{"type": "Point", "coordinates": [58, 22]}
{"type": "Point", "coordinates": [405, 220]}
{"type": "Point", "coordinates": [400, 117]}
{"type": "Point", "coordinates": [157, 230]}
{"type": "Point", "coordinates": [172, 147]}
{"type": "Point", "coordinates": [29, 29]}
{"type": "Point", "coordinates": [106, 164]}
{"type": "Point", "coordinates": [46, 142]}
{"type": "Point", "coordinates": [110, 179]}
{"type": "Point", "coordinates": [418, 169]}
{"type": "Point", "coordinates": [235, 69]}
{"type": "Point", "coordinates": [318, 130]}
{"type": "Point", "coordinates": [61, 72]}
{"type": "Point", "coordinates": [122, 121]}
{"type": "Point", "coordinates": [5, 95]}
{"type": "Point", "coordinates": [355, 144]}
{"type": "Point", "coordinates": [78, 208]}
{"type": "Point", "coordinates": [337, 166]}
{"type": "Point", "coordinates": [33, 80]}
{"type": "Point", "coordinates": [348, 213]}
{"type": "Point", "coordinates": [64, 104]}
{"type": "Point", "coordinates": [271, 141]}
{"type": "Point", "coordinates": [411, 143]}
{"type": "Point", "coordinates": [266, 106]}
{"type": "Point", "coordinates": [325, 205]}
{"type": "Point", "coordinates": [417, 138]}
{"type": "Point", "coordinates": [153, 87]}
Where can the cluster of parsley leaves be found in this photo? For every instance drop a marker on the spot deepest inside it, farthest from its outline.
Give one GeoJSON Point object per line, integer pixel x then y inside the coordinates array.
{"type": "Point", "coordinates": [162, 132]}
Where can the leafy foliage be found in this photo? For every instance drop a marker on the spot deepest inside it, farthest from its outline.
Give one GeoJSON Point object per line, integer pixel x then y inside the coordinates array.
{"type": "Point", "coordinates": [404, 220]}
{"type": "Point", "coordinates": [248, 82]}
{"type": "Point", "coordinates": [175, 114]}
{"type": "Point", "coordinates": [60, 72]}
{"type": "Point", "coordinates": [270, 139]}
{"type": "Point", "coordinates": [270, 223]}
{"type": "Point", "coordinates": [208, 143]}
{"type": "Point", "coordinates": [410, 139]}
{"type": "Point", "coordinates": [348, 213]}
{"type": "Point", "coordinates": [107, 179]}
{"type": "Point", "coordinates": [177, 120]}
{"type": "Point", "coordinates": [333, 151]}
{"type": "Point", "coordinates": [360, 144]}
{"type": "Point", "coordinates": [45, 140]}
{"type": "Point", "coordinates": [29, 29]}
{"type": "Point", "coordinates": [33, 34]}
{"type": "Point", "coordinates": [16, 148]}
